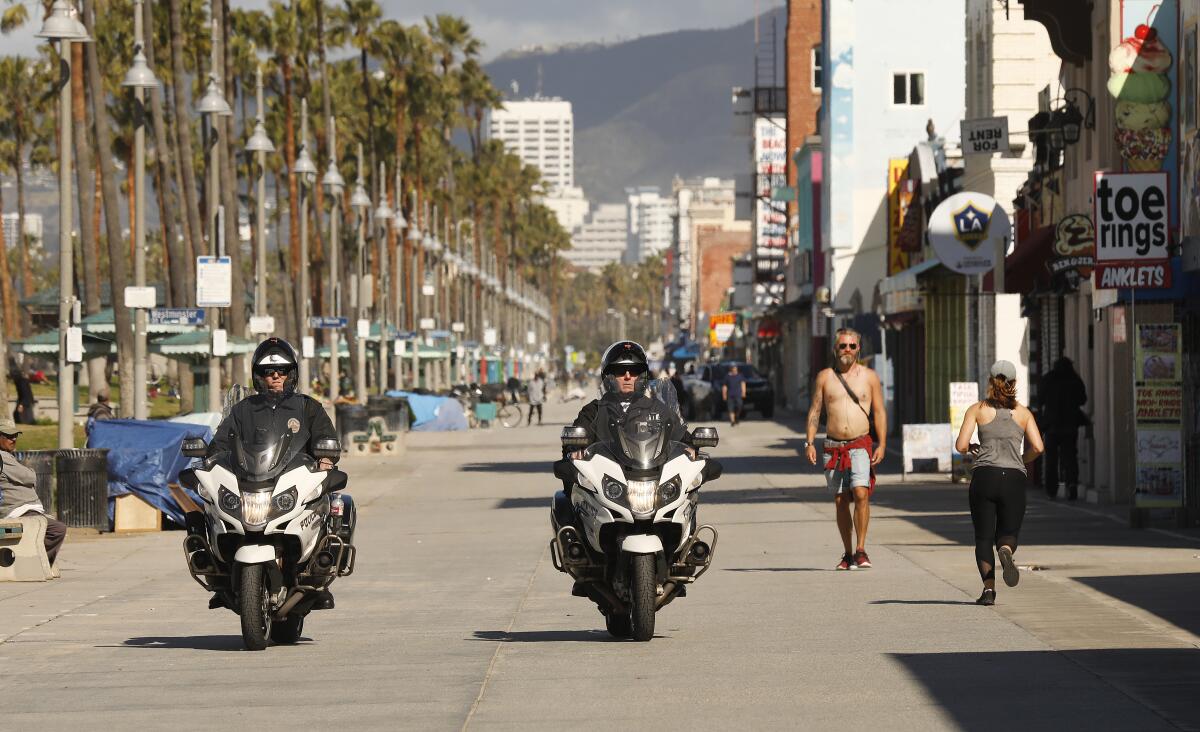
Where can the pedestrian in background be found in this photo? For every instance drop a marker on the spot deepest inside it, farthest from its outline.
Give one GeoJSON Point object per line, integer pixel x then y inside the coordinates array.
{"type": "Point", "coordinates": [733, 391]}
{"type": "Point", "coordinates": [18, 490]}
{"type": "Point", "coordinates": [23, 412]}
{"type": "Point", "coordinates": [1008, 439]}
{"type": "Point", "coordinates": [98, 411]}
{"type": "Point", "coordinates": [514, 389]}
{"type": "Point", "coordinates": [537, 395]}
{"type": "Point", "coordinates": [1061, 396]}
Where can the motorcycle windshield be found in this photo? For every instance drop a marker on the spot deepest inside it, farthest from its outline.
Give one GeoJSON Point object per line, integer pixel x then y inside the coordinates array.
{"type": "Point", "coordinates": [263, 453]}
{"type": "Point", "coordinates": [643, 436]}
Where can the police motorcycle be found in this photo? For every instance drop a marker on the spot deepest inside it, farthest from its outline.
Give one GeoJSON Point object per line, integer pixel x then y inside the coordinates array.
{"type": "Point", "coordinates": [274, 532]}
{"type": "Point", "coordinates": [626, 530]}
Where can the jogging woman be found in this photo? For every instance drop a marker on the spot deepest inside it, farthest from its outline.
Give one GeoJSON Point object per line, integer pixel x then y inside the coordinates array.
{"type": "Point", "coordinates": [1008, 440]}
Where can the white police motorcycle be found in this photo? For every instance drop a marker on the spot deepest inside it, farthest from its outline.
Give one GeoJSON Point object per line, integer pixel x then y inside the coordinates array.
{"type": "Point", "coordinates": [626, 529]}
{"type": "Point", "coordinates": [274, 533]}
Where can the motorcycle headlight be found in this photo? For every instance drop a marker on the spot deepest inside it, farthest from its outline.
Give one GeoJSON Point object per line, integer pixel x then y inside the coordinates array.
{"type": "Point", "coordinates": [229, 500]}
{"type": "Point", "coordinates": [255, 507]}
{"type": "Point", "coordinates": [614, 490]}
{"type": "Point", "coordinates": [669, 491]}
{"type": "Point", "coordinates": [641, 495]}
{"type": "Point", "coordinates": [284, 502]}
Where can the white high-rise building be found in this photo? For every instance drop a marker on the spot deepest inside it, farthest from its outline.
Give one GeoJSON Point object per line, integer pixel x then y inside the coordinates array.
{"type": "Point", "coordinates": [569, 207]}
{"type": "Point", "coordinates": [542, 133]}
{"type": "Point", "coordinates": [601, 239]}
{"type": "Point", "coordinates": [650, 224]}
{"type": "Point", "coordinates": [33, 228]}
{"type": "Point", "coordinates": [699, 203]}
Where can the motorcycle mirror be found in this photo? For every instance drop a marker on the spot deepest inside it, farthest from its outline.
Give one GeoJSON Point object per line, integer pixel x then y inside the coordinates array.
{"type": "Point", "coordinates": [575, 437]}
{"type": "Point", "coordinates": [335, 481]}
{"type": "Point", "coordinates": [705, 437]}
{"type": "Point", "coordinates": [327, 447]}
{"type": "Point", "coordinates": [194, 447]}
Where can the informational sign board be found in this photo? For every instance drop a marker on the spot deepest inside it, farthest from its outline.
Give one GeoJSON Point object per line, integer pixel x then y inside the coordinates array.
{"type": "Point", "coordinates": [984, 136]}
{"type": "Point", "coordinates": [308, 346]}
{"type": "Point", "coordinates": [399, 347]}
{"type": "Point", "coordinates": [74, 344]}
{"type": "Point", "coordinates": [326, 322]}
{"type": "Point", "coordinates": [262, 324]}
{"type": "Point", "coordinates": [176, 316]}
{"type": "Point", "coordinates": [214, 282]}
{"type": "Point", "coordinates": [489, 336]}
{"type": "Point", "coordinates": [426, 324]}
{"type": "Point", "coordinates": [1159, 478]}
{"type": "Point", "coordinates": [770, 215]}
{"type": "Point", "coordinates": [927, 448]}
{"type": "Point", "coordinates": [427, 290]}
{"type": "Point", "coordinates": [964, 230]}
{"type": "Point", "coordinates": [140, 297]}
{"type": "Point", "coordinates": [458, 327]}
{"type": "Point", "coordinates": [962, 395]}
{"type": "Point", "coordinates": [220, 343]}
{"type": "Point", "coordinates": [530, 338]}
{"type": "Point", "coordinates": [363, 328]}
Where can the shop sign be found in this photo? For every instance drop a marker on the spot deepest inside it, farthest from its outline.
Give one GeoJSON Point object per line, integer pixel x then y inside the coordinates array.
{"type": "Point", "coordinates": [1074, 246]}
{"type": "Point", "coordinates": [720, 328]}
{"type": "Point", "coordinates": [1130, 211]}
{"type": "Point", "coordinates": [1132, 275]}
{"type": "Point", "coordinates": [900, 195]}
{"type": "Point", "coordinates": [962, 395]}
{"type": "Point", "coordinates": [770, 214]}
{"type": "Point", "coordinates": [984, 136]}
{"type": "Point", "coordinates": [1158, 402]}
{"type": "Point", "coordinates": [964, 231]}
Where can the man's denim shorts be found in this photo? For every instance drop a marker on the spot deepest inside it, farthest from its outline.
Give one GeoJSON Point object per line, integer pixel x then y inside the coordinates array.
{"type": "Point", "coordinates": [858, 476]}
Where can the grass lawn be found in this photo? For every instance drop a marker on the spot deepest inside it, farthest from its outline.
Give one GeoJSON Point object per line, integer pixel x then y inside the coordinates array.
{"type": "Point", "coordinates": [45, 437]}
{"type": "Point", "coordinates": [161, 407]}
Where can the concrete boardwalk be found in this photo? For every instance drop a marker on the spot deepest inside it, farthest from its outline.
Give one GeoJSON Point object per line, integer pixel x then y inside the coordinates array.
{"type": "Point", "coordinates": [455, 618]}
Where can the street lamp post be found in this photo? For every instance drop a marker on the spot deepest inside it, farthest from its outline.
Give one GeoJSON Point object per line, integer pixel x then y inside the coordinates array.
{"type": "Point", "coordinates": [398, 224]}
{"type": "Point", "coordinates": [61, 25]}
{"type": "Point", "coordinates": [306, 170]}
{"type": "Point", "coordinates": [361, 203]}
{"type": "Point", "coordinates": [415, 241]}
{"type": "Point", "coordinates": [140, 77]}
{"type": "Point", "coordinates": [334, 184]}
{"type": "Point", "coordinates": [383, 215]}
{"type": "Point", "coordinates": [260, 145]}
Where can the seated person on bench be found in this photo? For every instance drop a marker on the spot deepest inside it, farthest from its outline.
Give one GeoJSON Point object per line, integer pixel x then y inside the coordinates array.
{"type": "Point", "coordinates": [18, 493]}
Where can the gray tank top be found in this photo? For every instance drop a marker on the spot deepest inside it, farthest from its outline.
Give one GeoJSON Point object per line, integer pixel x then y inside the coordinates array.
{"type": "Point", "coordinates": [1001, 442]}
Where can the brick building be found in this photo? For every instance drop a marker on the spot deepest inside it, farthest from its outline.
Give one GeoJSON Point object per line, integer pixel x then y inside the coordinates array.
{"type": "Point", "coordinates": [803, 78]}
{"type": "Point", "coordinates": [717, 248]}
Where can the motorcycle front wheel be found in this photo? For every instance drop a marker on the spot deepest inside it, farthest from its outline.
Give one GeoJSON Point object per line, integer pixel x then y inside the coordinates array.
{"type": "Point", "coordinates": [644, 597]}
{"type": "Point", "coordinates": [255, 601]}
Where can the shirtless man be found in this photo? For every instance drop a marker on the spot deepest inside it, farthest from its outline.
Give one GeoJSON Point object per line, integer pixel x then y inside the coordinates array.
{"type": "Point", "coordinates": [850, 464]}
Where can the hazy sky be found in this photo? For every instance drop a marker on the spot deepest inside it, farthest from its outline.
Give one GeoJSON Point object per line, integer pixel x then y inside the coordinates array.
{"type": "Point", "coordinates": [508, 24]}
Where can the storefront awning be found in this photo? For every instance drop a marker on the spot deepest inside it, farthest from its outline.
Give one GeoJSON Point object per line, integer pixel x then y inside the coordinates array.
{"type": "Point", "coordinates": [907, 279]}
{"type": "Point", "coordinates": [1025, 269]}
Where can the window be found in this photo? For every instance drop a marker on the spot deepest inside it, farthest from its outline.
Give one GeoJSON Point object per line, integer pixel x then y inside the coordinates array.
{"type": "Point", "coordinates": [908, 89]}
{"type": "Point", "coordinates": [818, 67]}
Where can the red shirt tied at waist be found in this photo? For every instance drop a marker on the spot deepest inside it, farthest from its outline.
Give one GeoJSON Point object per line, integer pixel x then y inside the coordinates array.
{"type": "Point", "coordinates": [839, 456]}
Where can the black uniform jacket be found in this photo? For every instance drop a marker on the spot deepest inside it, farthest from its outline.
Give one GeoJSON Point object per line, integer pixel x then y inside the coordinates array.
{"type": "Point", "coordinates": [602, 420]}
{"type": "Point", "coordinates": [257, 412]}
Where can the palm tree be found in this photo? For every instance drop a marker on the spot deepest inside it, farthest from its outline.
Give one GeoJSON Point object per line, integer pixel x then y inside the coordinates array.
{"type": "Point", "coordinates": [8, 300]}
{"type": "Point", "coordinates": [184, 144]}
{"type": "Point", "coordinates": [356, 21]}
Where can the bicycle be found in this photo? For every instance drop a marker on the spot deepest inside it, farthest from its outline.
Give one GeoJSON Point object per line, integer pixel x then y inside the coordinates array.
{"type": "Point", "coordinates": [509, 415]}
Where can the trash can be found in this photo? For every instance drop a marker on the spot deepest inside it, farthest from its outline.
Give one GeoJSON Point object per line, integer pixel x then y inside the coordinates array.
{"type": "Point", "coordinates": [41, 462]}
{"type": "Point", "coordinates": [350, 418]}
{"type": "Point", "coordinates": [393, 410]}
{"type": "Point", "coordinates": [82, 492]}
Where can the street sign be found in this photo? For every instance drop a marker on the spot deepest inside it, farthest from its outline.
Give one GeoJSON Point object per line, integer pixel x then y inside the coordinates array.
{"type": "Point", "coordinates": [439, 334]}
{"type": "Point", "coordinates": [964, 231]}
{"type": "Point", "coordinates": [176, 316]}
{"type": "Point", "coordinates": [327, 322]}
{"type": "Point", "coordinates": [262, 324]}
{"type": "Point", "coordinates": [984, 136]}
{"type": "Point", "coordinates": [214, 282]}
{"type": "Point", "coordinates": [139, 297]}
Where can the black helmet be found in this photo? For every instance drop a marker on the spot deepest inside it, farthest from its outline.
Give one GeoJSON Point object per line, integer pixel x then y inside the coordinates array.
{"type": "Point", "coordinates": [274, 354]}
{"type": "Point", "coordinates": [624, 354]}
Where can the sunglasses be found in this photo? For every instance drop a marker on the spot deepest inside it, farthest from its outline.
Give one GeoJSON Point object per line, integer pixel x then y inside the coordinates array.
{"type": "Point", "coordinates": [847, 346]}
{"type": "Point", "coordinates": [10, 437]}
{"type": "Point", "coordinates": [269, 373]}
{"type": "Point", "coordinates": [626, 371]}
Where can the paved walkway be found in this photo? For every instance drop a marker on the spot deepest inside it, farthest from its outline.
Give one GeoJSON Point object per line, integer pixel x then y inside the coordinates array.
{"type": "Point", "coordinates": [455, 618]}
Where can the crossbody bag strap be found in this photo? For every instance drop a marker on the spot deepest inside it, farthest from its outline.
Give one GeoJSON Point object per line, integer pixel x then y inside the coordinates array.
{"type": "Point", "coordinates": [852, 394]}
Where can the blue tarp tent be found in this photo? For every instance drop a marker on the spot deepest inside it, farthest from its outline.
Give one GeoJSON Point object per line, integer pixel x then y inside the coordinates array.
{"type": "Point", "coordinates": [433, 413]}
{"type": "Point", "coordinates": [144, 456]}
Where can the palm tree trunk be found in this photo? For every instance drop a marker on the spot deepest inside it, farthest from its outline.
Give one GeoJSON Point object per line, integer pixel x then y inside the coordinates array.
{"type": "Point", "coordinates": [233, 245]}
{"type": "Point", "coordinates": [85, 176]}
{"type": "Point", "coordinates": [7, 296]}
{"type": "Point", "coordinates": [112, 219]}
{"type": "Point", "coordinates": [289, 133]}
{"type": "Point", "coordinates": [183, 133]}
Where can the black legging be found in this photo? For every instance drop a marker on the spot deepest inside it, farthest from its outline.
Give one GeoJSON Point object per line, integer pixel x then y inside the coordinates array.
{"type": "Point", "coordinates": [997, 498]}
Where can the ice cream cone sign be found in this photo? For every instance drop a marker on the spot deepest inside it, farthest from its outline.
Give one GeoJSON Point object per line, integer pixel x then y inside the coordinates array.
{"type": "Point", "coordinates": [1140, 85]}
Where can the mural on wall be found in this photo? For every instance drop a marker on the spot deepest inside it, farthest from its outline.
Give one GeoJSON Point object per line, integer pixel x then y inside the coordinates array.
{"type": "Point", "coordinates": [1139, 82]}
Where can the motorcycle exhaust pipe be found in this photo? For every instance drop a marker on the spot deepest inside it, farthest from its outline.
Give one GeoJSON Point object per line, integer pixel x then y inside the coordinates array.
{"type": "Point", "coordinates": [699, 552]}
{"type": "Point", "coordinates": [326, 559]}
{"type": "Point", "coordinates": [292, 601]}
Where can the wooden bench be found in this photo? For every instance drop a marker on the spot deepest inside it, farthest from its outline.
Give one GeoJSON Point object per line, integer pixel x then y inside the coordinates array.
{"type": "Point", "coordinates": [23, 550]}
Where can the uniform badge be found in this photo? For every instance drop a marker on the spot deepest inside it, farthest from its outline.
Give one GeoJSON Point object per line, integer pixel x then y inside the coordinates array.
{"type": "Point", "coordinates": [294, 425]}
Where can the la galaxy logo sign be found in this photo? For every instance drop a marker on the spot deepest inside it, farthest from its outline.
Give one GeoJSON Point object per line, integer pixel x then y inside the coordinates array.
{"type": "Point", "coordinates": [966, 231]}
{"type": "Point", "coordinates": [971, 225]}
